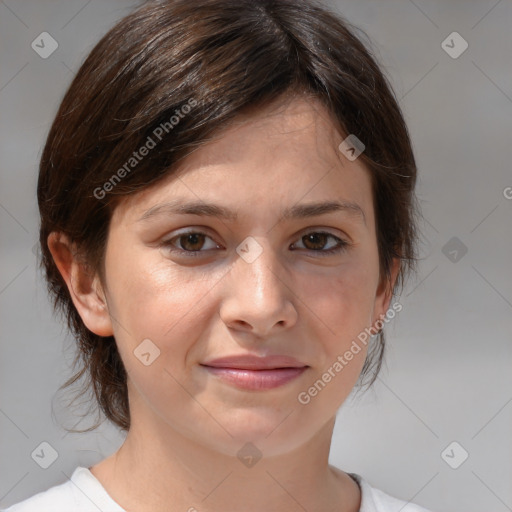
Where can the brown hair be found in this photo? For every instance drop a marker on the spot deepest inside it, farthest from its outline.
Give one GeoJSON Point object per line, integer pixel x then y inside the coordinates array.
{"type": "Point", "coordinates": [223, 58]}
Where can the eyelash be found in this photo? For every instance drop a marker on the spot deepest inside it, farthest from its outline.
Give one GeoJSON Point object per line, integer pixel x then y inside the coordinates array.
{"type": "Point", "coordinates": [341, 246]}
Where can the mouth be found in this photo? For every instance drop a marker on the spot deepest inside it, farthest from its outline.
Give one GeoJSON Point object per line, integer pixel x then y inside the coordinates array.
{"type": "Point", "coordinates": [255, 373]}
{"type": "Point", "coordinates": [255, 379]}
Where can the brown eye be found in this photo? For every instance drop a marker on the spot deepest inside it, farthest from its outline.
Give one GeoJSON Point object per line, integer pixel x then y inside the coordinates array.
{"type": "Point", "coordinates": [191, 241]}
{"type": "Point", "coordinates": [322, 243]}
{"type": "Point", "coordinates": [315, 241]}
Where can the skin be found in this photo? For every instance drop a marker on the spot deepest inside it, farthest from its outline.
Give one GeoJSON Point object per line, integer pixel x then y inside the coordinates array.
{"type": "Point", "coordinates": [187, 425]}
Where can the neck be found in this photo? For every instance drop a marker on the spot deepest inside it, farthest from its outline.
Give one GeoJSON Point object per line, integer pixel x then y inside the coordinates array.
{"type": "Point", "coordinates": [157, 466]}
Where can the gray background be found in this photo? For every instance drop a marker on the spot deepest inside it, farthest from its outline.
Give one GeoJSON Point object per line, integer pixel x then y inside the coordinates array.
{"type": "Point", "coordinates": [447, 376]}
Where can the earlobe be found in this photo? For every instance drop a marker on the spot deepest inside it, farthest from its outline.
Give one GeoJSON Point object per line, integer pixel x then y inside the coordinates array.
{"type": "Point", "coordinates": [83, 284]}
{"type": "Point", "coordinates": [385, 292]}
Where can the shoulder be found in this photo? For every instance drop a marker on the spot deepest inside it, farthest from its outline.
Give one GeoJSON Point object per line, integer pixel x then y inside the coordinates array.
{"type": "Point", "coordinates": [81, 493]}
{"type": "Point", "coordinates": [375, 500]}
{"type": "Point", "coordinates": [55, 499]}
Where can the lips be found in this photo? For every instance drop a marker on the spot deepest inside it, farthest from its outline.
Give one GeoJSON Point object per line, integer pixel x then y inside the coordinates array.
{"type": "Point", "coordinates": [254, 373]}
{"type": "Point", "coordinates": [250, 362]}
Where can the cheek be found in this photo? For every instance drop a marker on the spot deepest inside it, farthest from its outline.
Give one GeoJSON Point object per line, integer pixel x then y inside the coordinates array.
{"type": "Point", "coordinates": [343, 299]}
{"type": "Point", "coordinates": [344, 304]}
{"type": "Point", "coordinates": [151, 298]}
{"type": "Point", "coordinates": [167, 308]}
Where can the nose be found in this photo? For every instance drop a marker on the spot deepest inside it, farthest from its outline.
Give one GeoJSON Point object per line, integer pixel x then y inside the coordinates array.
{"type": "Point", "coordinates": [257, 298]}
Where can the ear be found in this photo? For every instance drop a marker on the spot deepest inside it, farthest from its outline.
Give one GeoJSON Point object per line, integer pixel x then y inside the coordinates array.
{"type": "Point", "coordinates": [385, 293]}
{"type": "Point", "coordinates": [84, 285]}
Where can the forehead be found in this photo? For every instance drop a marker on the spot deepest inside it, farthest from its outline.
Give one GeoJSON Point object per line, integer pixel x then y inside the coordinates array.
{"type": "Point", "coordinates": [290, 123]}
{"type": "Point", "coordinates": [286, 151]}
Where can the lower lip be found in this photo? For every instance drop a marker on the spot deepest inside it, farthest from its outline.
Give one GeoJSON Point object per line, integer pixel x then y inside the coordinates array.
{"type": "Point", "coordinates": [256, 379]}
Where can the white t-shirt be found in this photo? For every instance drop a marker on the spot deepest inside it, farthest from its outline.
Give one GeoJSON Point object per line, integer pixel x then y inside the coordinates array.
{"type": "Point", "coordinates": [84, 493]}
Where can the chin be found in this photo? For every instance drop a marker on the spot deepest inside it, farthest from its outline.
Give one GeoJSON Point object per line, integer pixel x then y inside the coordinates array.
{"type": "Point", "coordinates": [269, 432]}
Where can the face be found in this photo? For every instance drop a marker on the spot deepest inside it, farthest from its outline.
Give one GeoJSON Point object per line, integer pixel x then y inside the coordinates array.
{"type": "Point", "coordinates": [275, 276]}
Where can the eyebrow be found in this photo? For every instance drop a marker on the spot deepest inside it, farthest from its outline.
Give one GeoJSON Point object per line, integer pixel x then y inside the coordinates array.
{"type": "Point", "coordinates": [300, 211]}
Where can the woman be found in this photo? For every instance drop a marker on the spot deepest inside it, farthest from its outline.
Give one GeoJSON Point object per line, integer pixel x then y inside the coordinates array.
{"type": "Point", "coordinates": [227, 210]}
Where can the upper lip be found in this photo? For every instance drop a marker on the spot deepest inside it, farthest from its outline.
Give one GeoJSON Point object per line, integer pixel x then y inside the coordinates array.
{"type": "Point", "coordinates": [250, 362]}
